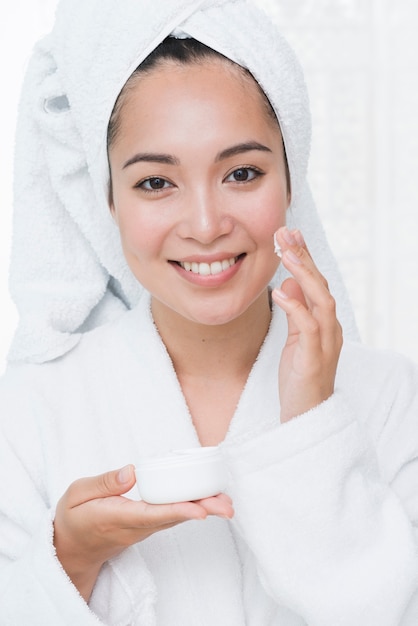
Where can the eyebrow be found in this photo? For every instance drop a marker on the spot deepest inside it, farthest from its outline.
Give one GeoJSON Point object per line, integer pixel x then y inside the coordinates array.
{"type": "Point", "coordinates": [168, 159]}
{"type": "Point", "coordinates": [152, 157]}
{"type": "Point", "coordinates": [240, 148]}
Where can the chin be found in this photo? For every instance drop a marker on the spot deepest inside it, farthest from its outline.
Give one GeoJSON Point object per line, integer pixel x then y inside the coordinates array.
{"type": "Point", "coordinates": [212, 314]}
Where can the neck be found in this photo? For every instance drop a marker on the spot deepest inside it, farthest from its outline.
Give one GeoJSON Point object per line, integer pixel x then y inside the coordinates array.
{"type": "Point", "coordinates": [220, 351]}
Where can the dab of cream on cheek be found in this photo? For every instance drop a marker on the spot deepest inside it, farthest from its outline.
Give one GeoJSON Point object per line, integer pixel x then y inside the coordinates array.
{"type": "Point", "coordinates": [277, 248]}
{"type": "Point", "coordinates": [182, 476]}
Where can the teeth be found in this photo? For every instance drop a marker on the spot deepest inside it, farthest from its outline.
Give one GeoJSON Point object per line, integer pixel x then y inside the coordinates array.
{"type": "Point", "coordinates": [216, 268]}
{"type": "Point", "coordinates": [206, 269]}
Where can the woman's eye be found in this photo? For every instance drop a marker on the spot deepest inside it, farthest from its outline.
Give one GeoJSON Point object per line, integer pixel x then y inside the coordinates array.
{"type": "Point", "coordinates": [243, 175]}
{"type": "Point", "coordinates": [154, 183]}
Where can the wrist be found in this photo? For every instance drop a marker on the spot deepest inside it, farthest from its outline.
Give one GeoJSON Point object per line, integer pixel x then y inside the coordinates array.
{"type": "Point", "coordinates": [82, 574]}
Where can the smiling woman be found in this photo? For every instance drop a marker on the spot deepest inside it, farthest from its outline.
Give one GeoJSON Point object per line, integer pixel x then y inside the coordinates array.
{"type": "Point", "coordinates": [185, 209]}
{"type": "Point", "coordinates": [179, 302]}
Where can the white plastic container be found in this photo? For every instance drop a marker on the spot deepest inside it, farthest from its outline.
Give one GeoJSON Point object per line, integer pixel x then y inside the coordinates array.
{"type": "Point", "coordinates": [181, 476]}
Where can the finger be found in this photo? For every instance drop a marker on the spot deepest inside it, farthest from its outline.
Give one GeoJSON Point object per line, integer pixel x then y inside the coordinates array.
{"type": "Point", "coordinates": [294, 241]}
{"type": "Point", "coordinates": [291, 299]}
{"type": "Point", "coordinates": [292, 289]}
{"type": "Point", "coordinates": [162, 514]}
{"type": "Point", "coordinates": [285, 238]}
{"type": "Point", "coordinates": [320, 304]}
{"type": "Point", "coordinates": [312, 332]}
{"type": "Point", "coordinates": [150, 516]}
{"type": "Point", "coordinates": [113, 483]}
{"type": "Point", "coordinates": [137, 519]}
{"type": "Point", "coordinates": [220, 505]}
{"type": "Point", "coordinates": [302, 326]}
{"type": "Point", "coordinates": [314, 286]}
{"type": "Point", "coordinates": [224, 497]}
{"type": "Point", "coordinates": [310, 311]}
{"type": "Point", "coordinates": [300, 241]}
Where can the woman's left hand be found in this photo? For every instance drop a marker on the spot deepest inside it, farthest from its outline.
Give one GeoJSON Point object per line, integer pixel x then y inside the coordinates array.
{"type": "Point", "coordinates": [310, 357]}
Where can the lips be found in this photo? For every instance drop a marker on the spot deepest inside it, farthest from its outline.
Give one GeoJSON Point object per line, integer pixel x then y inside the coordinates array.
{"type": "Point", "coordinates": [207, 269]}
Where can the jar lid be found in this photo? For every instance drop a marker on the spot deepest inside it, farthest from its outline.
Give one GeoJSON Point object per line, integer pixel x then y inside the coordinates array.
{"type": "Point", "coordinates": [186, 456]}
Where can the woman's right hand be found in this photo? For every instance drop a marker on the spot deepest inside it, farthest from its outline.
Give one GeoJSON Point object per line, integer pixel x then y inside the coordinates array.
{"type": "Point", "coordinates": [94, 522]}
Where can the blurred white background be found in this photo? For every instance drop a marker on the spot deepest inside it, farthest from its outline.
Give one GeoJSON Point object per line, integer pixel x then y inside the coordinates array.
{"type": "Point", "coordinates": [361, 64]}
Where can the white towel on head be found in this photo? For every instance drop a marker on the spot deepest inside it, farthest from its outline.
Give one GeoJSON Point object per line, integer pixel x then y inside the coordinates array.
{"type": "Point", "coordinates": [68, 273]}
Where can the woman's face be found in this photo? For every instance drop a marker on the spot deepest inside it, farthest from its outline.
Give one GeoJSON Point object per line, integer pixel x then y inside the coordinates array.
{"type": "Point", "coordinates": [198, 189]}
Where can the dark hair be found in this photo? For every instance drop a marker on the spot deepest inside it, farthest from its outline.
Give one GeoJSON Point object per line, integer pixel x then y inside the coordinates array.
{"type": "Point", "coordinates": [182, 51]}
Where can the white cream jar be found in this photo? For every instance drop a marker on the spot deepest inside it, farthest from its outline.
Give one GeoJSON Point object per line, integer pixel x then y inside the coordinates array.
{"type": "Point", "coordinates": [182, 475]}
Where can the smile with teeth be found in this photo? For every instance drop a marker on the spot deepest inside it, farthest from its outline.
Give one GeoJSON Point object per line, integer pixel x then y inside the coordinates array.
{"type": "Point", "coordinates": [206, 269]}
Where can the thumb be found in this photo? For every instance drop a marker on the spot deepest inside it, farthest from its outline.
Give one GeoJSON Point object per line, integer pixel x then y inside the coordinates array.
{"type": "Point", "coordinates": [114, 483]}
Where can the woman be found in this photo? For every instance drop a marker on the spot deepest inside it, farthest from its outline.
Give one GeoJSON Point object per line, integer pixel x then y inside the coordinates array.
{"type": "Point", "coordinates": [199, 167]}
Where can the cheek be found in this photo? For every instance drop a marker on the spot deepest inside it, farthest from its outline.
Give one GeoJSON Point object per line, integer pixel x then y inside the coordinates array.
{"type": "Point", "coordinates": [139, 241]}
{"type": "Point", "coordinates": [269, 214]}
{"type": "Point", "coordinates": [142, 230]}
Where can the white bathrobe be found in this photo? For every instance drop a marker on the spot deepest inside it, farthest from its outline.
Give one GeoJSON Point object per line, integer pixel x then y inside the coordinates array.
{"type": "Point", "coordinates": [325, 504]}
{"type": "Point", "coordinates": [323, 532]}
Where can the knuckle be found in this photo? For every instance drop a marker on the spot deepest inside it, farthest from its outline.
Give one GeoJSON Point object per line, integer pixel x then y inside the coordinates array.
{"type": "Point", "coordinates": [340, 337]}
{"type": "Point", "coordinates": [72, 491]}
{"type": "Point", "coordinates": [298, 306]}
{"type": "Point", "coordinates": [329, 304]}
{"type": "Point", "coordinates": [312, 326]}
{"type": "Point", "coordinates": [324, 282]}
{"type": "Point", "coordinates": [105, 484]}
{"type": "Point", "coordinates": [311, 273]}
{"type": "Point", "coordinates": [300, 252]}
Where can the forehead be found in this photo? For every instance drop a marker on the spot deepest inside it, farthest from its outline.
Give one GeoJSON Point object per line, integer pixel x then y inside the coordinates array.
{"type": "Point", "coordinates": [213, 82]}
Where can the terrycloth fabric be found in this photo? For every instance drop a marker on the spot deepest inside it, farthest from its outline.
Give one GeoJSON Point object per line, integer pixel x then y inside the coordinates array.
{"type": "Point", "coordinates": [325, 504]}
{"type": "Point", "coordinates": [68, 273]}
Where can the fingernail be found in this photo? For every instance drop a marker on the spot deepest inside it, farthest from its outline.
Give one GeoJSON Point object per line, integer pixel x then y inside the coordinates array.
{"type": "Point", "coordinates": [291, 256]}
{"type": "Point", "coordinates": [280, 294]}
{"type": "Point", "coordinates": [289, 238]}
{"type": "Point", "coordinates": [124, 475]}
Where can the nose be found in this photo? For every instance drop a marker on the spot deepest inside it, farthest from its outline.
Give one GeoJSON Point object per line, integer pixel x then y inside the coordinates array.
{"type": "Point", "coordinates": [204, 217]}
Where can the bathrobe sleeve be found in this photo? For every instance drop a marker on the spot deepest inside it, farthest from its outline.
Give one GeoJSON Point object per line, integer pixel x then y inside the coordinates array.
{"type": "Point", "coordinates": [328, 502]}
{"type": "Point", "coordinates": [34, 588]}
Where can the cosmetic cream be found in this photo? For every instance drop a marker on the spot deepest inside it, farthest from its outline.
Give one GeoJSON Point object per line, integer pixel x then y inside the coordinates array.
{"type": "Point", "coordinates": [277, 248]}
